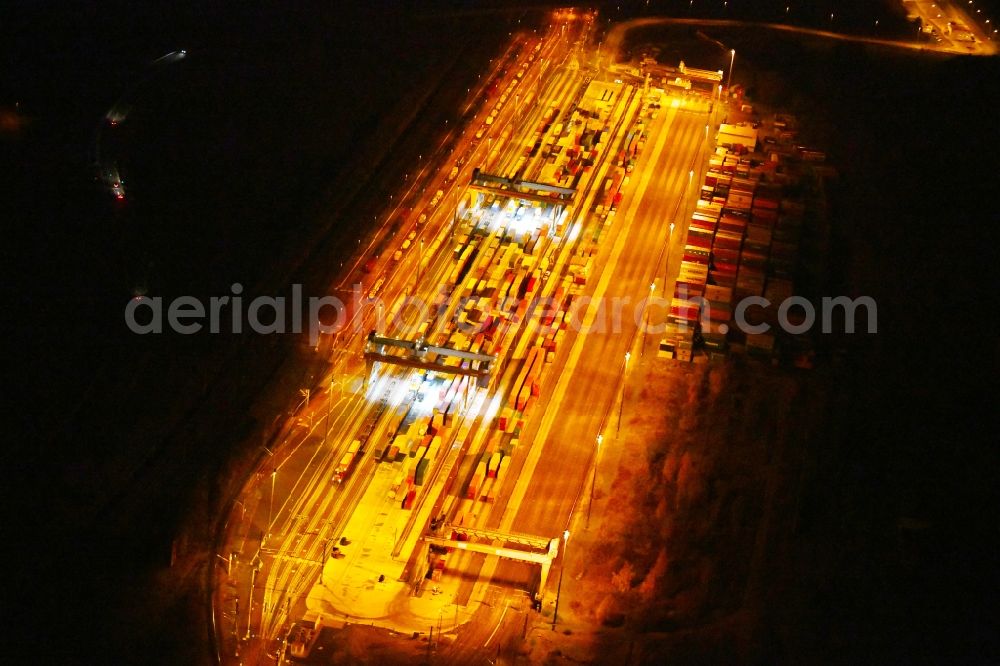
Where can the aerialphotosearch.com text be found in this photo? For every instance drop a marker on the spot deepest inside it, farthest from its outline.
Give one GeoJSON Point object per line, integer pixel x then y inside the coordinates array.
{"type": "Point", "coordinates": [362, 312]}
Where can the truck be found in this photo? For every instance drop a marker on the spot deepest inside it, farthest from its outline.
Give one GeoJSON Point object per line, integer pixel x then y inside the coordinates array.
{"type": "Point", "coordinates": [346, 463]}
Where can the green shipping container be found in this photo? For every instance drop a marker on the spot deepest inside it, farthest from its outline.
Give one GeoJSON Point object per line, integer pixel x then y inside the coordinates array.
{"type": "Point", "coordinates": [421, 471]}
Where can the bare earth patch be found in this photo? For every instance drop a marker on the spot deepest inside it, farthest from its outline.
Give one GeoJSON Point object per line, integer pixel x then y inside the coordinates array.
{"type": "Point", "coordinates": [693, 503]}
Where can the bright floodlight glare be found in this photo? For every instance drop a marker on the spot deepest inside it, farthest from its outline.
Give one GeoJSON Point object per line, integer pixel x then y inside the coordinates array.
{"type": "Point", "coordinates": [493, 407]}
{"type": "Point", "coordinates": [574, 232]}
{"type": "Point", "coordinates": [427, 402]}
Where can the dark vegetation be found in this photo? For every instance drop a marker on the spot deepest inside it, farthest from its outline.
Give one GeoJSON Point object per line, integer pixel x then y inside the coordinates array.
{"type": "Point", "coordinates": [260, 158]}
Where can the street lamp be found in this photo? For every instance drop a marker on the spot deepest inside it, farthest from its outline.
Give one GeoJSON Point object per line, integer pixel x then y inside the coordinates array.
{"type": "Point", "coordinates": [593, 482]}
{"type": "Point", "coordinates": [329, 402]}
{"type": "Point", "coordinates": [305, 393]}
{"type": "Point", "coordinates": [732, 59]}
{"type": "Point", "coordinates": [621, 405]}
{"type": "Point", "coordinates": [666, 269]}
{"type": "Point", "coordinates": [270, 502]}
{"type": "Point", "coordinates": [421, 254]}
{"type": "Point", "coordinates": [555, 613]}
{"type": "Point", "coordinates": [253, 583]}
{"type": "Point", "coordinates": [687, 188]}
{"type": "Point", "coordinates": [652, 288]}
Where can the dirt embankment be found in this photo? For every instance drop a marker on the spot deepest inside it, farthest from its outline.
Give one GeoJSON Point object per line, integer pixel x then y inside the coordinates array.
{"type": "Point", "coordinates": [688, 542]}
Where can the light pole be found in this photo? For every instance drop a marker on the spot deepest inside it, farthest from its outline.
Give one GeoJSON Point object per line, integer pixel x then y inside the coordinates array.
{"type": "Point", "coordinates": [329, 406]}
{"type": "Point", "coordinates": [538, 79]}
{"type": "Point", "coordinates": [253, 582]}
{"type": "Point", "coordinates": [687, 190]}
{"type": "Point", "coordinates": [305, 402]}
{"type": "Point", "coordinates": [555, 613]}
{"type": "Point", "coordinates": [652, 288]}
{"type": "Point", "coordinates": [732, 59]}
{"type": "Point", "coordinates": [416, 274]}
{"type": "Point", "coordinates": [621, 405]}
{"type": "Point", "coordinates": [593, 481]}
{"type": "Point", "coordinates": [270, 503]}
{"type": "Point", "coordinates": [666, 269]}
{"type": "Point", "coordinates": [329, 402]}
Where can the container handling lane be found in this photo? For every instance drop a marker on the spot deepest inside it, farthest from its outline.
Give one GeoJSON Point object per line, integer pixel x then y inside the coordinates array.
{"type": "Point", "coordinates": [312, 502]}
{"type": "Point", "coordinates": [569, 439]}
{"type": "Point", "coordinates": [621, 118]}
{"type": "Point", "coordinates": [299, 531]}
{"type": "Point", "coordinates": [411, 323]}
{"type": "Point", "coordinates": [566, 90]}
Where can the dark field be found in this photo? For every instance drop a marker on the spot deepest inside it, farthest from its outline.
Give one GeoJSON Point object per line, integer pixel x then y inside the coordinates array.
{"type": "Point", "coordinates": [260, 159]}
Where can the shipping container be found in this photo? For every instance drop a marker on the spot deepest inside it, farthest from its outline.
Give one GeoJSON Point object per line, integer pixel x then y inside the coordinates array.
{"type": "Point", "coordinates": [502, 469]}
{"type": "Point", "coordinates": [421, 472]}
{"type": "Point", "coordinates": [494, 464]}
{"type": "Point", "coordinates": [472, 492]}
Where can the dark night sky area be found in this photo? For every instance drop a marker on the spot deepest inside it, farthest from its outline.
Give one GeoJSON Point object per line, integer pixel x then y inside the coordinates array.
{"type": "Point", "coordinates": [230, 154]}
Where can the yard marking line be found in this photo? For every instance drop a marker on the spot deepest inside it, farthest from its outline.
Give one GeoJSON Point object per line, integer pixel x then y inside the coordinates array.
{"type": "Point", "coordinates": [499, 622]}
